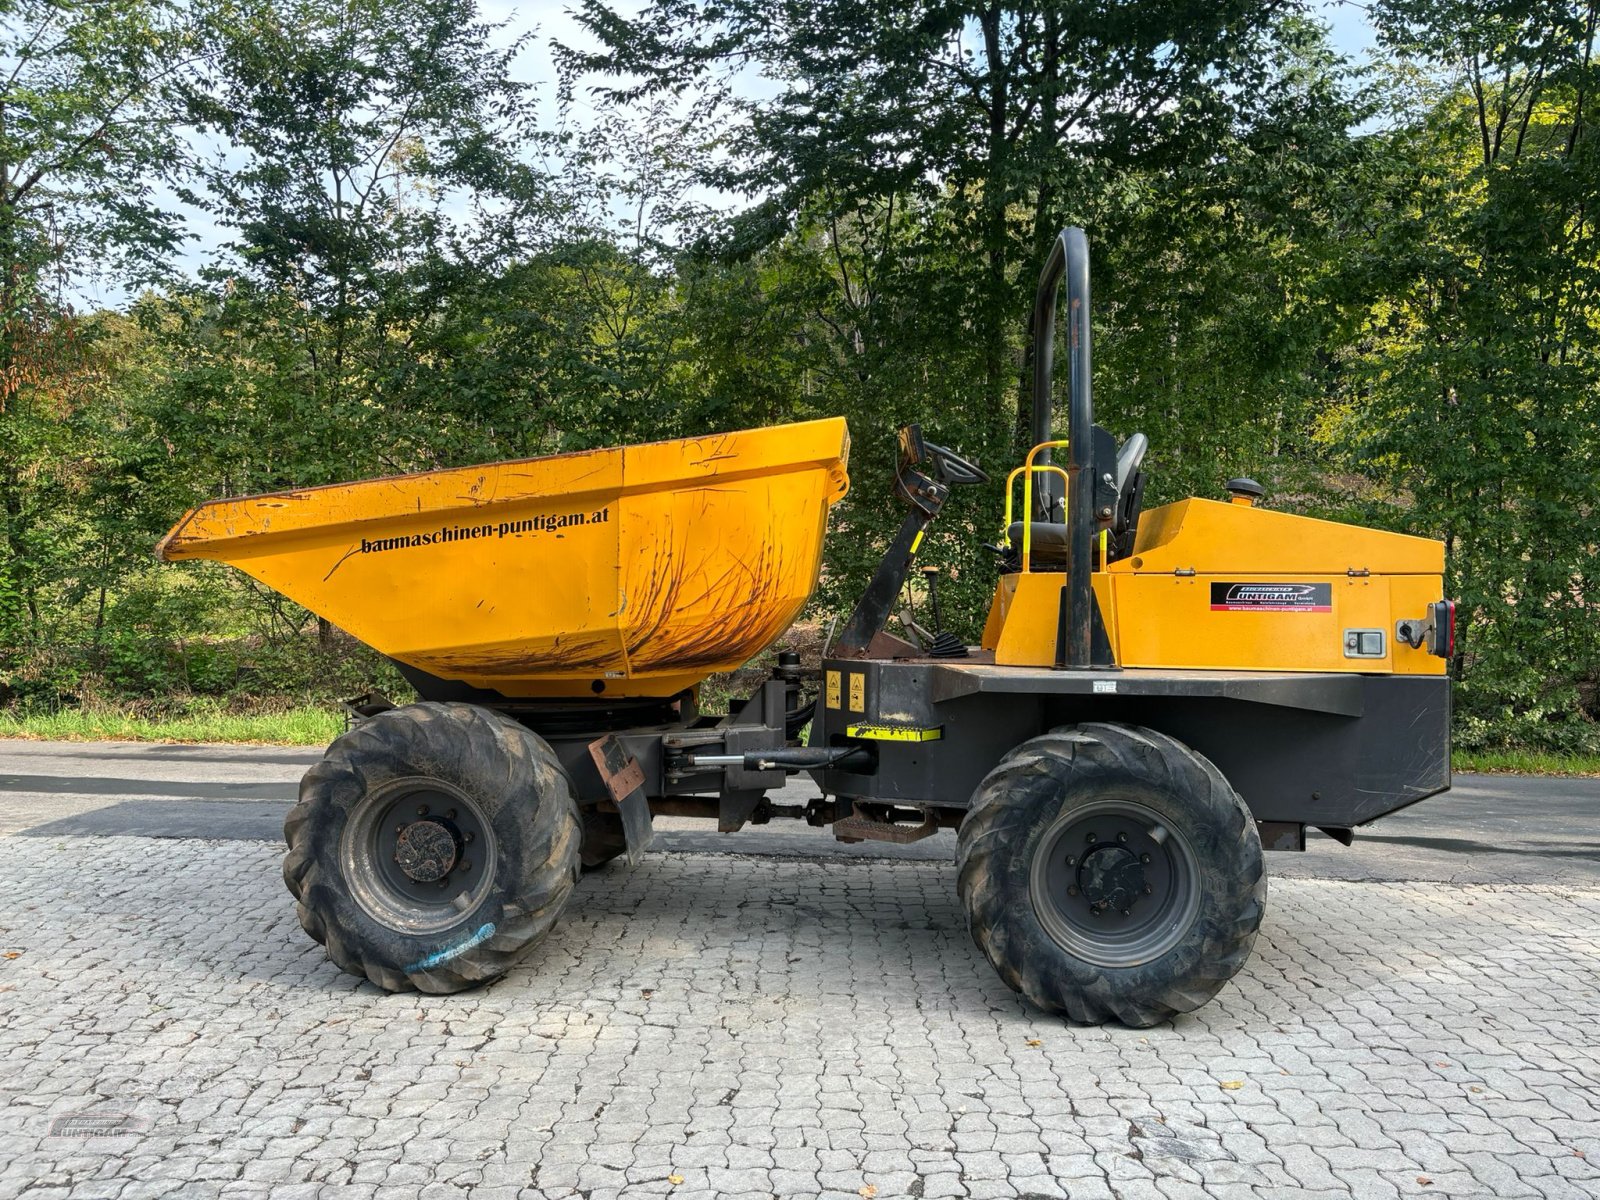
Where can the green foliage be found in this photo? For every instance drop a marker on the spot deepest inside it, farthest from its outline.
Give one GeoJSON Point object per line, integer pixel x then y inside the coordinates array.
{"type": "Point", "coordinates": [1375, 290]}
{"type": "Point", "coordinates": [1474, 389]}
{"type": "Point", "coordinates": [311, 725]}
{"type": "Point", "coordinates": [87, 133]}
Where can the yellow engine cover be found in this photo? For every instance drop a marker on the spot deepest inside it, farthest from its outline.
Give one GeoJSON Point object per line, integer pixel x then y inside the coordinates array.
{"type": "Point", "coordinates": [1234, 587]}
{"type": "Point", "coordinates": [626, 572]}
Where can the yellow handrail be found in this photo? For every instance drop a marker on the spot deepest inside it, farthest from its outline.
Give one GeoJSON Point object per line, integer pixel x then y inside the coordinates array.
{"type": "Point", "coordinates": [1027, 528]}
{"type": "Point", "coordinates": [1027, 471]}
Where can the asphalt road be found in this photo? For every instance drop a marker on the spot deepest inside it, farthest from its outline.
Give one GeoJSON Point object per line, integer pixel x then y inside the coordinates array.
{"type": "Point", "coordinates": [1487, 829]}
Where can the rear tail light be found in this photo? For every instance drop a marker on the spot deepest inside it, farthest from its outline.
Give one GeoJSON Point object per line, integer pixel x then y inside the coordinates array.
{"type": "Point", "coordinates": [1442, 634]}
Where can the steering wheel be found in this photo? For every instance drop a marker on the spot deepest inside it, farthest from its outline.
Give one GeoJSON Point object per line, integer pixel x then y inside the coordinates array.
{"type": "Point", "coordinates": [952, 468]}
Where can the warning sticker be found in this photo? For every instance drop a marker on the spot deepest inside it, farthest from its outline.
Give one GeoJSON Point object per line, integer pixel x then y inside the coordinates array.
{"type": "Point", "coordinates": [1272, 597]}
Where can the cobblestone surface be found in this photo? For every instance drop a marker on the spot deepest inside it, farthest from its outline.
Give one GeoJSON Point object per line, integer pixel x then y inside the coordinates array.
{"type": "Point", "coordinates": [717, 1026]}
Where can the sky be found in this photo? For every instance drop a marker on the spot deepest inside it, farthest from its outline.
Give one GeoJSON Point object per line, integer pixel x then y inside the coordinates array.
{"type": "Point", "coordinates": [551, 20]}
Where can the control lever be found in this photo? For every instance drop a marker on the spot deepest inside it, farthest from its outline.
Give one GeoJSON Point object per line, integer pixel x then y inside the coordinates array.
{"type": "Point", "coordinates": [945, 644]}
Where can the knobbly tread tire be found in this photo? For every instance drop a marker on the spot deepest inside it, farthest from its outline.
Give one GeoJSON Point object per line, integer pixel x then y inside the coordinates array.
{"type": "Point", "coordinates": [510, 773]}
{"type": "Point", "coordinates": [1019, 800]}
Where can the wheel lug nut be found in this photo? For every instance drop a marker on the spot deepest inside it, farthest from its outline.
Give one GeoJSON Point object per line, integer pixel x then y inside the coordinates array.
{"type": "Point", "coordinates": [466, 866]}
{"type": "Point", "coordinates": [465, 838]}
{"type": "Point", "coordinates": [1122, 837]}
{"type": "Point", "coordinates": [1072, 862]}
{"type": "Point", "coordinates": [1072, 891]}
{"type": "Point", "coordinates": [422, 810]}
{"type": "Point", "coordinates": [451, 815]}
{"type": "Point", "coordinates": [1090, 838]}
{"type": "Point", "coordinates": [1144, 858]}
{"type": "Point", "coordinates": [1148, 889]}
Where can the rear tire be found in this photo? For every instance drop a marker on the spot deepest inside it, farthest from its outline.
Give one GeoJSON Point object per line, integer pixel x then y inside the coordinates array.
{"type": "Point", "coordinates": [432, 847]}
{"type": "Point", "coordinates": [1111, 873]}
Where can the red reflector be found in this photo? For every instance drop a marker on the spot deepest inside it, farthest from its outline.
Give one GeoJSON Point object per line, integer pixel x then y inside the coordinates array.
{"type": "Point", "coordinates": [1442, 641]}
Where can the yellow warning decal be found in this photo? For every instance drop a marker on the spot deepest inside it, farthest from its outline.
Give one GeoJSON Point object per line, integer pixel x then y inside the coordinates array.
{"type": "Point", "coordinates": [833, 689]}
{"type": "Point", "coordinates": [858, 691]}
{"type": "Point", "coordinates": [894, 733]}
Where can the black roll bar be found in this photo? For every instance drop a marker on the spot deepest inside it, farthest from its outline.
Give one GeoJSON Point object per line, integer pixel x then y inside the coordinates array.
{"type": "Point", "coordinates": [1069, 257]}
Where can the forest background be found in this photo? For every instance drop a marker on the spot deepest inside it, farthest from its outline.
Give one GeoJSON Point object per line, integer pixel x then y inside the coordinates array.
{"type": "Point", "coordinates": [248, 245]}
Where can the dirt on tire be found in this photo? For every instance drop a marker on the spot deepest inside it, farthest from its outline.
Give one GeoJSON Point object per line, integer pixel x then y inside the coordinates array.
{"type": "Point", "coordinates": [513, 779]}
{"type": "Point", "coordinates": [1031, 788]}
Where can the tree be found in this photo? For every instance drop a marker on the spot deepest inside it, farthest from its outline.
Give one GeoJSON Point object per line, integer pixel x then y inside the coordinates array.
{"type": "Point", "coordinates": [1009, 118]}
{"type": "Point", "coordinates": [88, 133]}
{"type": "Point", "coordinates": [373, 174]}
{"type": "Point", "coordinates": [1477, 382]}
{"type": "Point", "coordinates": [917, 161]}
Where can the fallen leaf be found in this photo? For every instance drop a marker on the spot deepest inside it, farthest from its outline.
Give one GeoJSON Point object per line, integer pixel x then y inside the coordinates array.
{"type": "Point", "coordinates": [1441, 1063]}
{"type": "Point", "coordinates": [1035, 1041]}
{"type": "Point", "coordinates": [1424, 1180]}
{"type": "Point", "coordinates": [1232, 1085]}
{"type": "Point", "coordinates": [1476, 1088]}
{"type": "Point", "coordinates": [867, 1190]}
{"type": "Point", "coordinates": [674, 1180]}
{"type": "Point", "coordinates": [1579, 1154]}
{"type": "Point", "coordinates": [13, 953]}
{"type": "Point", "coordinates": [647, 992]}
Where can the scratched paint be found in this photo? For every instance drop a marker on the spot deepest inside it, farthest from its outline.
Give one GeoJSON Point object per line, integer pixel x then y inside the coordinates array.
{"type": "Point", "coordinates": [708, 549]}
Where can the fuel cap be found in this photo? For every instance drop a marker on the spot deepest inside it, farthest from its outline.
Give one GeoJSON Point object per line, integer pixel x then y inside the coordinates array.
{"type": "Point", "coordinates": [1245, 491]}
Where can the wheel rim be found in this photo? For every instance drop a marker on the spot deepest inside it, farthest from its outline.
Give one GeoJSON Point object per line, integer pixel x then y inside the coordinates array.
{"type": "Point", "coordinates": [418, 855]}
{"type": "Point", "coordinates": [1114, 883]}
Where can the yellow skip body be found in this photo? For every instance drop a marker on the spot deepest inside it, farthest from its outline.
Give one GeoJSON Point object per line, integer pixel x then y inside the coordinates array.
{"type": "Point", "coordinates": [630, 572]}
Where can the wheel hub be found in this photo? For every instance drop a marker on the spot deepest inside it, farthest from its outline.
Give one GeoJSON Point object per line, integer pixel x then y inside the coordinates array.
{"type": "Point", "coordinates": [417, 852]}
{"type": "Point", "coordinates": [426, 851]}
{"type": "Point", "coordinates": [1113, 883]}
{"type": "Point", "coordinates": [1111, 877]}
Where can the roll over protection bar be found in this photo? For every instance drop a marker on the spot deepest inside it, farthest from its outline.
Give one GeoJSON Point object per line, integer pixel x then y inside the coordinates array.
{"type": "Point", "coordinates": [1069, 257]}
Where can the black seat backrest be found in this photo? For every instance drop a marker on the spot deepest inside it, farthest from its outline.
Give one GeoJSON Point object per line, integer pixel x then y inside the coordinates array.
{"type": "Point", "coordinates": [1050, 544]}
{"type": "Point", "coordinates": [1130, 495]}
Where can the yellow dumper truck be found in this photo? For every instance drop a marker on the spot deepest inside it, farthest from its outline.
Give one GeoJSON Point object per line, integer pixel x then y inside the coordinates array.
{"type": "Point", "coordinates": [1157, 695]}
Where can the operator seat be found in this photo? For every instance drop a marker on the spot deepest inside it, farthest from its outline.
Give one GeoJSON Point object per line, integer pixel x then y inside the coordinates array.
{"type": "Point", "coordinates": [1049, 544]}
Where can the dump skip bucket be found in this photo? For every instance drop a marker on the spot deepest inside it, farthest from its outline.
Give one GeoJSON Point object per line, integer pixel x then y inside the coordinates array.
{"type": "Point", "coordinates": [630, 572]}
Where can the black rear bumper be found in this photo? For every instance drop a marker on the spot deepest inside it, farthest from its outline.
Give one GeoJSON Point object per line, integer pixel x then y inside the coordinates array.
{"type": "Point", "coordinates": [1334, 750]}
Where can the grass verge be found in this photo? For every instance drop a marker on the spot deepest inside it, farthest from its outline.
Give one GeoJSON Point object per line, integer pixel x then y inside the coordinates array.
{"type": "Point", "coordinates": [308, 726]}
{"type": "Point", "coordinates": [1526, 762]}
{"type": "Point", "coordinates": [317, 725]}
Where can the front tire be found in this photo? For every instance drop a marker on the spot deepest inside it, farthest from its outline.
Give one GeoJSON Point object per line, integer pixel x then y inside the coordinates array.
{"type": "Point", "coordinates": [1111, 873]}
{"type": "Point", "coordinates": [432, 847]}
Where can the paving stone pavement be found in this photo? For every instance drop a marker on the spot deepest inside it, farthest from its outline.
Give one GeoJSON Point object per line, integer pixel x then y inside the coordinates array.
{"type": "Point", "coordinates": [716, 1026]}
